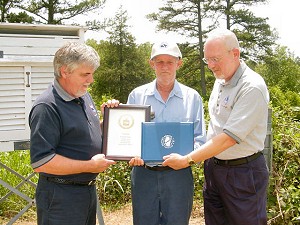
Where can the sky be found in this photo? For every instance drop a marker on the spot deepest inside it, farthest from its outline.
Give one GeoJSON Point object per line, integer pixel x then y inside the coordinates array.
{"type": "Point", "coordinates": [283, 16]}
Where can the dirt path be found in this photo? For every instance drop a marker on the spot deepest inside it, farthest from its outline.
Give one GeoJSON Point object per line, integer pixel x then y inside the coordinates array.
{"type": "Point", "coordinates": [123, 217]}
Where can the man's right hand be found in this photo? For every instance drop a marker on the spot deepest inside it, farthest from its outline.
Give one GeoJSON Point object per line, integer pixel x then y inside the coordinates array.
{"type": "Point", "coordinates": [101, 163]}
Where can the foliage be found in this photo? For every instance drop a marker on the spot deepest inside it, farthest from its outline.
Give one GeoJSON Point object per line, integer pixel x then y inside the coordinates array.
{"type": "Point", "coordinates": [284, 191]}
{"type": "Point", "coordinates": [5, 8]}
{"type": "Point", "coordinates": [281, 73]}
{"type": "Point", "coordinates": [282, 70]}
{"type": "Point", "coordinates": [19, 161]}
{"type": "Point", "coordinates": [186, 18]}
{"type": "Point", "coordinates": [193, 19]}
{"type": "Point", "coordinates": [190, 74]}
{"type": "Point", "coordinates": [114, 186]}
{"type": "Point", "coordinates": [124, 65]}
{"type": "Point", "coordinates": [254, 33]}
{"type": "Point", "coordinates": [47, 12]}
{"type": "Point", "coordinates": [198, 174]}
{"type": "Point", "coordinates": [21, 17]}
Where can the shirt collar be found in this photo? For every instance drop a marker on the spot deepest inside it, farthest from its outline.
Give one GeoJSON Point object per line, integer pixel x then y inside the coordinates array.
{"type": "Point", "coordinates": [151, 90]}
{"type": "Point", "coordinates": [61, 92]}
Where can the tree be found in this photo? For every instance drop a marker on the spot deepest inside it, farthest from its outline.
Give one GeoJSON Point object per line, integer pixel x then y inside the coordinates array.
{"type": "Point", "coordinates": [194, 18]}
{"type": "Point", "coordinates": [255, 35]}
{"type": "Point", "coordinates": [55, 12]}
{"type": "Point", "coordinates": [21, 17]}
{"type": "Point", "coordinates": [5, 5]}
{"type": "Point", "coordinates": [185, 17]}
{"type": "Point", "coordinates": [6, 16]}
{"type": "Point", "coordinates": [124, 65]}
{"type": "Point", "coordinates": [281, 69]}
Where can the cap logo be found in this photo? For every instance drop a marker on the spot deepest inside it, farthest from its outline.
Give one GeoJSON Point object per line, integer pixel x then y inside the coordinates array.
{"type": "Point", "coordinates": [163, 45]}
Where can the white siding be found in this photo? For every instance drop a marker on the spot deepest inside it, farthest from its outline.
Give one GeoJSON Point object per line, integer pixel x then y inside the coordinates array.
{"type": "Point", "coordinates": [19, 87]}
{"type": "Point", "coordinates": [12, 98]}
{"type": "Point", "coordinates": [26, 70]}
{"type": "Point", "coordinates": [31, 46]}
{"type": "Point", "coordinates": [41, 77]}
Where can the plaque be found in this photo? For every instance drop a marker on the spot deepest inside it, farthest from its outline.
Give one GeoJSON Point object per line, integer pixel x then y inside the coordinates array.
{"type": "Point", "coordinates": [122, 131]}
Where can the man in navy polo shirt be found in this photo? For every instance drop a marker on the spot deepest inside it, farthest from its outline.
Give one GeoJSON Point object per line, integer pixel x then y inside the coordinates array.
{"type": "Point", "coordinates": [66, 141]}
{"type": "Point", "coordinates": [236, 175]}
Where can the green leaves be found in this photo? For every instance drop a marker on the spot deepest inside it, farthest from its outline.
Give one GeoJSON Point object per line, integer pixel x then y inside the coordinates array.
{"type": "Point", "coordinates": [284, 188]}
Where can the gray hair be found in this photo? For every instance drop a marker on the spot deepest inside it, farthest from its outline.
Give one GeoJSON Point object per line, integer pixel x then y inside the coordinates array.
{"type": "Point", "coordinates": [228, 37]}
{"type": "Point", "coordinates": [73, 54]}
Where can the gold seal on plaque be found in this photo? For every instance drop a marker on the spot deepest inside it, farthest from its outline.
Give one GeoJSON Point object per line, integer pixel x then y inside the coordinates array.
{"type": "Point", "coordinates": [126, 121]}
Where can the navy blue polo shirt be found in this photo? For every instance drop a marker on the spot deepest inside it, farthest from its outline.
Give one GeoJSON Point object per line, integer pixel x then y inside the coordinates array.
{"type": "Point", "coordinates": [66, 126]}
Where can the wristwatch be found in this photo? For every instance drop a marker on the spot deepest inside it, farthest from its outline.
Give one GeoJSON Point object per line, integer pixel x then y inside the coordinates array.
{"type": "Point", "coordinates": [190, 160]}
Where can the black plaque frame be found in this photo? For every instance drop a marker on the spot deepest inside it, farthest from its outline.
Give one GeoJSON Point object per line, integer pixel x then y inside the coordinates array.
{"type": "Point", "coordinates": [122, 131]}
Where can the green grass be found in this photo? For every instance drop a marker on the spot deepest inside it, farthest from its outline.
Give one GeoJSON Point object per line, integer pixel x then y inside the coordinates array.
{"type": "Point", "coordinates": [18, 161]}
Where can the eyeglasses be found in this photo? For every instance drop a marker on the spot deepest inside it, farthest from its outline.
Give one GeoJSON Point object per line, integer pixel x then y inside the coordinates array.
{"type": "Point", "coordinates": [213, 60]}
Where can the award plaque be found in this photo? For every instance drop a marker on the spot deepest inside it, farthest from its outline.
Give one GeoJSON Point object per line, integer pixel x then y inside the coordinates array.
{"type": "Point", "coordinates": [122, 131]}
{"type": "Point", "coordinates": [164, 138]}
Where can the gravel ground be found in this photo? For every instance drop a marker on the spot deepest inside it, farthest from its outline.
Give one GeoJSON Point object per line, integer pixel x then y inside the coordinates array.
{"type": "Point", "coordinates": [118, 217]}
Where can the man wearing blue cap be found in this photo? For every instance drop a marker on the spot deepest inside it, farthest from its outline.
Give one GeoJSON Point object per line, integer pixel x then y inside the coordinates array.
{"type": "Point", "coordinates": [161, 195]}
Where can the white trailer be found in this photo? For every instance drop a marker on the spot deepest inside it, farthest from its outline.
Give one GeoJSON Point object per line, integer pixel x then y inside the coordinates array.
{"type": "Point", "coordinates": [26, 70]}
{"type": "Point", "coordinates": [26, 55]}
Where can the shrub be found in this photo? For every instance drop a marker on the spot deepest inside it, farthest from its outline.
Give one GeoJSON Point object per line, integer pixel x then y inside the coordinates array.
{"type": "Point", "coordinates": [284, 192]}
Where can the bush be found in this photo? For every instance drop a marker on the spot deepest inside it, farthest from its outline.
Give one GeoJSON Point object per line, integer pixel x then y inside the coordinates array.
{"type": "Point", "coordinates": [114, 186]}
{"type": "Point", "coordinates": [284, 191]}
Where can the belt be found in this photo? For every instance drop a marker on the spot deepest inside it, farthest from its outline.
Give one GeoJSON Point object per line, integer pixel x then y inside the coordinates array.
{"type": "Point", "coordinates": [157, 168]}
{"type": "Point", "coordinates": [70, 182]}
{"type": "Point", "coordinates": [237, 162]}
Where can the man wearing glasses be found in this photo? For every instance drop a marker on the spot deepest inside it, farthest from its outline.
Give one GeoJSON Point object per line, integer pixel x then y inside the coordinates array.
{"type": "Point", "coordinates": [236, 175]}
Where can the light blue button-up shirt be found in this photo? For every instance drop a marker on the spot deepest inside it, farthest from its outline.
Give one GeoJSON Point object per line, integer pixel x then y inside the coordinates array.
{"type": "Point", "coordinates": [184, 104]}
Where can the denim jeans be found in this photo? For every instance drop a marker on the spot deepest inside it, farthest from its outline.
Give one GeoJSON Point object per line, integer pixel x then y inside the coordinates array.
{"type": "Point", "coordinates": [161, 197]}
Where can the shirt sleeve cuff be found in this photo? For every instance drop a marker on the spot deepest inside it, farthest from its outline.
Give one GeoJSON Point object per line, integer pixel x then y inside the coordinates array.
{"type": "Point", "coordinates": [236, 138]}
{"type": "Point", "coordinates": [42, 161]}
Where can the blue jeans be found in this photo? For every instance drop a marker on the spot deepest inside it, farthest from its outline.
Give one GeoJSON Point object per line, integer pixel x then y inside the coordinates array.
{"type": "Point", "coordinates": [236, 195]}
{"type": "Point", "coordinates": [161, 197]}
{"type": "Point", "coordinates": [59, 204]}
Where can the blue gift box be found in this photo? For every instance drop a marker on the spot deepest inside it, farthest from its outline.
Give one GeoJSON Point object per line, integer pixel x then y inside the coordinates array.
{"type": "Point", "coordinates": [162, 138]}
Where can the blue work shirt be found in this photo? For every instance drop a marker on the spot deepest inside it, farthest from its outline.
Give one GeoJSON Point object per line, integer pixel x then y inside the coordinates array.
{"type": "Point", "coordinates": [184, 104]}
